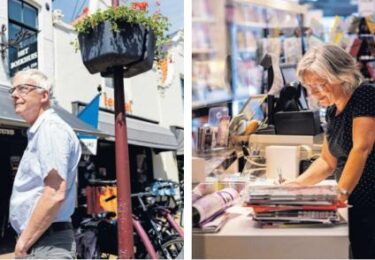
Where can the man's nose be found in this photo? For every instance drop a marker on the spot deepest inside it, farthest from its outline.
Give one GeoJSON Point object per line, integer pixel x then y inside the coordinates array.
{"type": "Point", "coordinates": [15, 94]}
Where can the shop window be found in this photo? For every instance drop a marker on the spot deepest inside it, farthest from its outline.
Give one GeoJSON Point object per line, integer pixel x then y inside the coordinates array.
{"type": "Point", "coordinates": [14, 10]}
{"type": "Point", "coordinates": [22, 34]}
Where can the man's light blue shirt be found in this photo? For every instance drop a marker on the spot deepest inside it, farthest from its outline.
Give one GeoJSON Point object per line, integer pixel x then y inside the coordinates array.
{"type": "Point", "coordinates": [52, 144]}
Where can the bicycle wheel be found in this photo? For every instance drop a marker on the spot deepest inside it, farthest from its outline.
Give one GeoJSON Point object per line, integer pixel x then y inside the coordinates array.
{"type": "Point", "coordinates": [173, 249]}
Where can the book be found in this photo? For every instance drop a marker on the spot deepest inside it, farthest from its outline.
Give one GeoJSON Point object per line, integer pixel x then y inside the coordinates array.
{"type": "Point", "coordinates": [354, 49]}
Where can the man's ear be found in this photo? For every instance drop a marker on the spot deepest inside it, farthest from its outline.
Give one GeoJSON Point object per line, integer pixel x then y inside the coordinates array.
{"type": "Point", "coordinates": [45, 97]}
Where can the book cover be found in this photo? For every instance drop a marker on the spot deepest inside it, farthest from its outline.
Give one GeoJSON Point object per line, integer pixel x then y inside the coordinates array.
{"type": "Point", "coordinates": [354, 50]}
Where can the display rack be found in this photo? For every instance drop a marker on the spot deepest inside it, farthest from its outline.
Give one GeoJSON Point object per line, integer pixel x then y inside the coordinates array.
{"type": "Point", "coordinates": [259, 27]}
{"type": "Point", "coordinates": [363, 47]}
{"type": "Point", "coordinates": [209, 53]}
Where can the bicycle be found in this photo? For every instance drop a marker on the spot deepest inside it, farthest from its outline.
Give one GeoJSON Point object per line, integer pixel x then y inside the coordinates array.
{"type": "Point", "coordinates": [101, 231]}
{"type": "Point", "coordinates": [166, 191]}
{"type": "Point", "coordinates": [163, 230]}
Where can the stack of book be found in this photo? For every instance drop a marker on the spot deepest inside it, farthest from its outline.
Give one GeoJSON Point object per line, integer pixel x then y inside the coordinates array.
{"type": "Point", "coordinates": [280, 206]}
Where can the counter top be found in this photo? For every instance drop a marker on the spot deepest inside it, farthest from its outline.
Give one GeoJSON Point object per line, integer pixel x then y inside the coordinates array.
{"type": "Point", "coordinates": [240, 238]}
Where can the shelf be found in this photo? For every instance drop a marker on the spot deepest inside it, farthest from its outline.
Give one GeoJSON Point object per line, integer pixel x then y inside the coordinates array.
{"type": "Point", "coordinates": [204, 51]}
{"type": "Point", "coordinates": [276, 4]}
{"type": "Point", "coordinates": [366, 58]}
{"type": "Point", "coordinates": [203, 20]}
{"type": "Point", "coordinates": [247, 50]}
{"type": "Point", "coordinates": [366, 35]}
{"type": "Point", "coordinates": [251, 25]}
{"type": "Point", "coordinates": [213, 102]}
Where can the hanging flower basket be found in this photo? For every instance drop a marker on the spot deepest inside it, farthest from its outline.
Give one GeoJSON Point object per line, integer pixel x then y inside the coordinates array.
{"type": "Point", "coordinates": [132, 46]}
{"type": "Point", "coordinates": [125, 36]}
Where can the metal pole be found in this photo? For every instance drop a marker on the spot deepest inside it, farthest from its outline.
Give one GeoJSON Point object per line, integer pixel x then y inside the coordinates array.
{"type": "Point", "coordinates": [124, 210]}
{"type": "Point", "coordinates": [124, 224]}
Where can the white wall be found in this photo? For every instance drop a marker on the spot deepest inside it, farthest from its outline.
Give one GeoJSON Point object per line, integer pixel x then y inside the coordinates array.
{"type": "Point", "coordinates": [72, 80]}
{"type": "Point", "coordinates": [4, 79]}
{"type": "Point", "coordinates": [171, 102]}
{"type": "Point", "coordinates": [45, 38]}
{"type": "Point", "coordinates": [146, 96]}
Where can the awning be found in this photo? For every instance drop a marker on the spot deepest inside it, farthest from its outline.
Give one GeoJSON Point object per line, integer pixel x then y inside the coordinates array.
{"type": "Point", "coordinates": [9, 117]}
{"type": "Point", "coordinates": [140, 132]}
{"type": "Point", "coordinates": [179, 134]}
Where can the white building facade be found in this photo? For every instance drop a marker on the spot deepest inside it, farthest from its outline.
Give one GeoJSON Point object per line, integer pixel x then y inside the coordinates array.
{"type": "Point", "coordinates": [148, 100]}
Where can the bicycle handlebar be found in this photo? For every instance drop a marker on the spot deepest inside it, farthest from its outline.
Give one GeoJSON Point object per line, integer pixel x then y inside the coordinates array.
{"type": "Point", "coordinates": [97, 181]}
{"type": "Point", "coordinates": [142, 194]}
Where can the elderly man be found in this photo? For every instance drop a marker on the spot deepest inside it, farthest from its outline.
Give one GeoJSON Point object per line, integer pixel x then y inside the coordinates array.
{"type": "Point", "coordinates": [44, 190]}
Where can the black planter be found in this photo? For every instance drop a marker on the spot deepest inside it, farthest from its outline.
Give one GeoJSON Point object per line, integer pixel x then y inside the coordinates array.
{"type": "Point", "coordinates": [132, 47]}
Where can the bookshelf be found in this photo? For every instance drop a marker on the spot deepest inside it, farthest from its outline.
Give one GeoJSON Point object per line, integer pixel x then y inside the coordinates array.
{"type": "Point", "coordinates": [208, 52]}
{"type": "Point", "coordinates": [363, 47]}
{"type": "Point", "coordinates": [255, 28]}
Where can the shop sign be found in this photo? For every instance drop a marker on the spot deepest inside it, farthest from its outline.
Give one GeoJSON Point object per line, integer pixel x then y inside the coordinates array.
{"type": "Point", "coordinates": [4, 131]}
{"type": "Point", "coordinates": [25, 58]}
{"type": "Point", "coordinates": [109, 103]}
{"type": "Point", "coordinates": [89, 145]}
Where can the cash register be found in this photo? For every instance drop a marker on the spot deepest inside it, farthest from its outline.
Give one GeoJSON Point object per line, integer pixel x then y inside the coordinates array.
{"type": "Point", "coordinates": [289, 114]}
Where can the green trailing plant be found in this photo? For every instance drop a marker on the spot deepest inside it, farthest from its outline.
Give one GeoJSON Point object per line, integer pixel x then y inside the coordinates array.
{"type": "Point", "coordinates": [137, 13]}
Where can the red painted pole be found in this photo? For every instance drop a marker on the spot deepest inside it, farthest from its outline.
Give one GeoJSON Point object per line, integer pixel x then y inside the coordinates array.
{"type": "Point", "coordinates": [124, 206]}
{"type": "Point", "coordinates": [124, 224]}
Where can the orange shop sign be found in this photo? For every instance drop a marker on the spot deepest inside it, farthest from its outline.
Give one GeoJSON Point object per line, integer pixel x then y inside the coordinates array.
{"type": "Point", "coordinates": [109, 103]}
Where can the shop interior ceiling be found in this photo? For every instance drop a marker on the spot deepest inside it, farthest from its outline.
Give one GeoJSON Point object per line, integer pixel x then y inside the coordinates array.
{"type": "Point", "coordinates": [341, 7]}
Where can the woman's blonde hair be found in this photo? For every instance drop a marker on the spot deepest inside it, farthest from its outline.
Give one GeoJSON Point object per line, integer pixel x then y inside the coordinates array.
{"type": "Point", "coordinates": [333, 64]}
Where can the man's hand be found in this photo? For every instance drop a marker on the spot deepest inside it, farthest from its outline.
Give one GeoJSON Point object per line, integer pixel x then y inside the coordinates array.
{"type": "Point", "coordinates": [20, 249]}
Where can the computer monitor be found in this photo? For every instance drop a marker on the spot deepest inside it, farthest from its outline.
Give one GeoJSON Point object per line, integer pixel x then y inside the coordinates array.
{"type": "Point", "coordinates": [289, 74]}
{"type": "Point", "coordinates": [252, 109]}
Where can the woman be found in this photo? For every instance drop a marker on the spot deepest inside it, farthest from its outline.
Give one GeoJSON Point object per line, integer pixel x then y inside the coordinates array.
{"type": "Point", "coordinates": [331, 77]}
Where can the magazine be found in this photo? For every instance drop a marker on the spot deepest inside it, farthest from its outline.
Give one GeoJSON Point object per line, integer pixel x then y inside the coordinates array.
{"type": "Point", "coordinates": [212, 205]}
{"type": "Point", "coordinates": [301, 195]}
{"type": "Point", "coordinates": [274, 208]}
{"type": "Point", "coordinates": [212, 226]}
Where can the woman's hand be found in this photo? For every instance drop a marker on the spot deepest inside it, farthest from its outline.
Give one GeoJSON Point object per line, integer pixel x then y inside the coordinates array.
{"type": "Point", "coordinates": [291, 183]}
{"type": "Point", "coordinates": [342, 194]}
{"type": "Point", "coordinates": [342, 197]}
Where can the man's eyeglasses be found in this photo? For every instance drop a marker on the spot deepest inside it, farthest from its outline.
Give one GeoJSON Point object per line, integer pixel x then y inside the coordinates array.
{"type": "Point", "coordinates": [23, 89]}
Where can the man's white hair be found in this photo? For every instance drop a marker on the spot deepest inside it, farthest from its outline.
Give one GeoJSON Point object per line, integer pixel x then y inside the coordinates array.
{"type": "Point", "coordinates": [40, 79]}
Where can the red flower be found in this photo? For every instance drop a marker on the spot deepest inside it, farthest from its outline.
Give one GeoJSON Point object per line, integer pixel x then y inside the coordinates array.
{"type": "Point", "coordinates": [140, 6]}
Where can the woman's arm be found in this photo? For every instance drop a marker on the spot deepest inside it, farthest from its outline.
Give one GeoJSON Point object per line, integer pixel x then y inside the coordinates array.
{"type": "Point", "coordinates": [320, 169]}
{"type": "Point", "coordinates": [363, 143]}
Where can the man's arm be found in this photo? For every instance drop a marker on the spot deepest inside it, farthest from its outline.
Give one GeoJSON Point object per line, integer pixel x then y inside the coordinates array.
{"type": "Point", "coordinates": [43, 214]}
